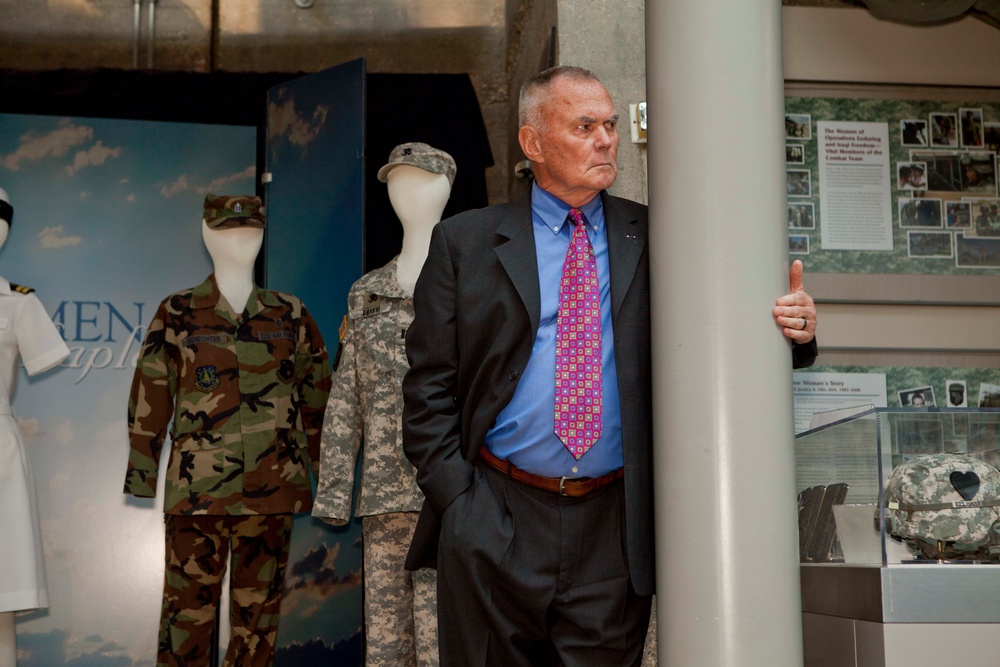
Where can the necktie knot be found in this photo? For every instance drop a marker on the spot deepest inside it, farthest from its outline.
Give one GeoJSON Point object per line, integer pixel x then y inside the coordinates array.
{"type": "Point", "coordinates": [575, 216]}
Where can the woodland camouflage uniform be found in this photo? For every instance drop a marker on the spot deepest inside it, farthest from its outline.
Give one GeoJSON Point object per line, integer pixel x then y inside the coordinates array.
{"type": "Point", "coordinates": [243, 395]}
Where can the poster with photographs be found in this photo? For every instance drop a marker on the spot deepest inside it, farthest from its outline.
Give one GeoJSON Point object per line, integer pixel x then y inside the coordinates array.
{"type": "Point", "coordinates": [942, 179]}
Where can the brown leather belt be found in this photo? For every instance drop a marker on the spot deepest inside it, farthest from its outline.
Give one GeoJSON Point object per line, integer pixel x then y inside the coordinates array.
{"type": "Point", "coordinates": [573, 487]}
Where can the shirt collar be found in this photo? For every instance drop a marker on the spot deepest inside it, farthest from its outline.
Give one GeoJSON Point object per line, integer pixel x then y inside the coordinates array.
{"type": "Point", "coordinates": [207, 295]}
{"type": "Point", "coordinates": [551, 211]}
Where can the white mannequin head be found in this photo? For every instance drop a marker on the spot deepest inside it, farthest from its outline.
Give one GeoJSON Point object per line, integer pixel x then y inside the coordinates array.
{"type": "Point", "coordinates": [236, 247]}
{"type": "Point", "coordinates": [417, 196]}
{"type": "Point", "coordinates": [4, 223]}
{"type": "Point", "coordinates": [233, 252]}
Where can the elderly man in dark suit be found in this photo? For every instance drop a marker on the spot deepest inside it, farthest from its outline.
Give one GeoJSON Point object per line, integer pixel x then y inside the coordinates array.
{"type": "Point", "coordinates": [539, 514]}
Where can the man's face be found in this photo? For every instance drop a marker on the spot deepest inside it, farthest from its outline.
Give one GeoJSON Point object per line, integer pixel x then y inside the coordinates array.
{"type": "Point", "coordinates": [577, 145]}
{"type": "Point", "coordinates": [917, 400]}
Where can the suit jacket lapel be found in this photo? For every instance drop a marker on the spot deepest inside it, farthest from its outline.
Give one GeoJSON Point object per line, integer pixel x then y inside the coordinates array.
{"type": "Point", "coordinates": [517, 256]}
{"type": "Point", "coordinates": [626, 240]}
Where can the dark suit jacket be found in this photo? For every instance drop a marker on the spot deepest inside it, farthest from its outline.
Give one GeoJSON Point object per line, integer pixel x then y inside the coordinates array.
{"type": "Point", "coordinates": [477, 310]}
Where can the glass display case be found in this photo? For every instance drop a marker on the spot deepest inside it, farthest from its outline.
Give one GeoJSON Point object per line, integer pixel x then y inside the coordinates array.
{"type": "Point", "coordinates": [843, 469]}
{"type": "Point", "coordinates": [921, 546]}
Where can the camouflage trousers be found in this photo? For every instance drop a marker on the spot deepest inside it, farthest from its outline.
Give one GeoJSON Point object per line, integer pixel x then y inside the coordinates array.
{"type": "Point", "coordinates": [197, 548]}
{"type": "Point", "coordinates": [400, 606]}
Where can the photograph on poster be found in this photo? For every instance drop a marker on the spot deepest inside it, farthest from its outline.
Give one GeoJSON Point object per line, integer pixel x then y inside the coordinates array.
{"type": "Point", "coordinates": [929, 245]}
{"type": "Point", "coordinates": [956, 394]}
{"type": "Point", "coordinates": [798, 244]}
{"type": "Point", "coordinates": [922, 212]}
{"type": "Point", "coordinates": [944, 129]}
{"type": "Point", "coordinates": [911, 175]}
{"type": "Point", "coordinates": [943, 169]}
{"type": "Point", "coordinates": [798, 182]}
{"type": "Point", "coordinates": [989, 395]}
{"type": "Point", "coordinates": [972, 127]}
{"type": "Point", "coordinates": [958, 214]}
{"type": "Point", "coordinates": [985, 217]}
{"type": "Point", "coordinates": [973, 252]}
{"type": "Point", "coordinates": [978, 173]}
{"type": "Point", "coordinates": [795, 153]}
{"type": "Point", "coordinates": [917, 397]}
{"type": "Point", "coordinates": [798, 126]}
{"type": "Point", "coordinates": [801, 215]}
{"type": "Point", "coordinates": [913, 132]}
{"type": "Point", "coordinates": [991, 137]}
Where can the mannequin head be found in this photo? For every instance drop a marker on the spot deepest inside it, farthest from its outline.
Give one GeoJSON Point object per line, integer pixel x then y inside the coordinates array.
{"type": "Point", "coordinates": [417, 196]}
{"type": "Point", "coordinates": [4, 218]}
{"type": "Point", "coordinates": [233, 247]}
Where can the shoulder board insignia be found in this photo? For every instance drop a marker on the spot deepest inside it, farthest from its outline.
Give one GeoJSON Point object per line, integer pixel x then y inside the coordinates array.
{"type": "Point", "coordinates": [22, 289]}
{"type": "Point", "coordinates": [343, 328]}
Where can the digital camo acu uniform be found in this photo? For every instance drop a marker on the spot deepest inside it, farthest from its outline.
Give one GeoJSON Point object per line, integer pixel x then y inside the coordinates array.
{"type": "Point", "coordinates": [244, 396]}
{"type": "Point", "coordinates": [366, 403]}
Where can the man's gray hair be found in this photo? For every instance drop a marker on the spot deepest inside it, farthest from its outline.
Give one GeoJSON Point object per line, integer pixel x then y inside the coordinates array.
{"type": "Point", "coordinates": [535, 91]}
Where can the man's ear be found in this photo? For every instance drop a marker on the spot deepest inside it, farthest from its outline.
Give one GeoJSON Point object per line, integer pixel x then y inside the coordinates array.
{"type": "Point", "coordinates": [528, 137]}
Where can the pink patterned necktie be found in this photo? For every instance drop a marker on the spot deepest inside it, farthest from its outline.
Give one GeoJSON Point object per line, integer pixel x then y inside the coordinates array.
{"type": "Point", "coordinates": [578, 345]}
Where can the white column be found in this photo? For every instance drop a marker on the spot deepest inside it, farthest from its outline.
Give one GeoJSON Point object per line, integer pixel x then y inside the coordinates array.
{"type": "Point", "coordinates": [727, 555]}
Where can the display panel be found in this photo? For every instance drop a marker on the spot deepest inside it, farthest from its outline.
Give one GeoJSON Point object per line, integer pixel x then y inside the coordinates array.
{"type": "Point", "coordinates": [107, 224]}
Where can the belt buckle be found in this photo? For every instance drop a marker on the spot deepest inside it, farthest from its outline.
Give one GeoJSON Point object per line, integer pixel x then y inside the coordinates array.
{"type": "Point", "coordinates": [562, 484]}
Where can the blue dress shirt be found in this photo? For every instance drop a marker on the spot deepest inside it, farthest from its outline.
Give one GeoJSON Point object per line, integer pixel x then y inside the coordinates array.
{"type": "Point", "coordinates": [524, 431]}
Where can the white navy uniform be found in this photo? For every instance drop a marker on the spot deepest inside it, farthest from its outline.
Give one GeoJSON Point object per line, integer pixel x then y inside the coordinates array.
{"type": "Point", "coordinates": [26, 331]}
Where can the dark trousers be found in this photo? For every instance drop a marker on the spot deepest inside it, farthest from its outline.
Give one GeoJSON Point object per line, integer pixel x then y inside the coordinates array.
{"type": "Point", "coordinates": [197, 549]}
{"type": "Point", "coordinates": [527, 577]}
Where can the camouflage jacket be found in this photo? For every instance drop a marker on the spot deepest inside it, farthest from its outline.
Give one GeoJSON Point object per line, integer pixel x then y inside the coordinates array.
{"type": "Point", "coordinates": [366, 403]}
{"type": "Point", "coordinates": [244, 399]}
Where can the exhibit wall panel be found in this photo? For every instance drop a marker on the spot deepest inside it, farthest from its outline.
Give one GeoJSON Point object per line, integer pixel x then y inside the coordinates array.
{"type": "Point", "coordinates": [314, 247]}
{"type": "Point", "coordinates": [841, 54]}
{"type": "Point", "coordinates": [107, 224]}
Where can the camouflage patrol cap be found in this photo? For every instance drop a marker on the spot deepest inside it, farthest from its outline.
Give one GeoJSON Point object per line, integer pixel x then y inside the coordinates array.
{"type": "Point", "coordinates": [229, 211]}
{"type": "Point", "coordinates": [945, 505]}
{"type": "Point", "coordinates": [420, 155]}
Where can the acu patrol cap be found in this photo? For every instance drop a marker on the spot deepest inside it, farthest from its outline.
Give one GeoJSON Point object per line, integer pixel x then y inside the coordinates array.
{"type": "Point", "coordinates": [229, 211]}
{"type": "Point", "coordinates": [428, 158]}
